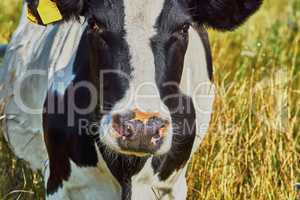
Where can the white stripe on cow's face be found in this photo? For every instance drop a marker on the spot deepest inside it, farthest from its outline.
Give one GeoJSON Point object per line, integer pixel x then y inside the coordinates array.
{"type": "Point", "coordinates": [140, 28]}
{"type": "Point", "coordinates": [140, 20]}
{"type": "Point", "coordinates": [143, 94]}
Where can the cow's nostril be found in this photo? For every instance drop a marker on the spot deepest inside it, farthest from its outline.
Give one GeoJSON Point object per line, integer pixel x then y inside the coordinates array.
{"type": "Point", "coordinates": [128, 131]}
{"type": "Point", "coordinates": [116, 119]}
{"type": "Point", "coordinates": [162, 126]}
{"type": "Point", "coordinates": [157, 126]}
{"type": "Point", "coordinates": [156, 139]}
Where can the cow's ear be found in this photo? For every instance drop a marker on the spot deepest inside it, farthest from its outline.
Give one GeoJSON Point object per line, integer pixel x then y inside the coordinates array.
{"type": "Point", "coordinates": [49, 11]}
{"type": "Point", "coordinates": [223, 15]}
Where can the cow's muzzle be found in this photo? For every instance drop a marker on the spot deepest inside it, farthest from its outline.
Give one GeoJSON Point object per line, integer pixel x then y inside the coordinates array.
{"type": "Point", "coordinates": [140, 132]}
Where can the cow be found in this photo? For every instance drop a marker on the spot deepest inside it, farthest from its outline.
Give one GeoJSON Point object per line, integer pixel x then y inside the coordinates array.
{"type": "Point", "coordinates": [122, 119]}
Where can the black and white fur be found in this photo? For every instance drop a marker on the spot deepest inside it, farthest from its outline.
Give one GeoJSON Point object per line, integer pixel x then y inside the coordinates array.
{"type": "Point", "coordinates": [150, 41]}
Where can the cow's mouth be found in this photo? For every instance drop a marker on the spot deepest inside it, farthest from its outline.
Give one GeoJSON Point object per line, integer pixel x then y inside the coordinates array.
{"type": "Point", "coordinates": [136, 133]}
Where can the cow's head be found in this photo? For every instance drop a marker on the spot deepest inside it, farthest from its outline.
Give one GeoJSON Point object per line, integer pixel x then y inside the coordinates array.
{"type": "Point", "coordinates": [137, 49]}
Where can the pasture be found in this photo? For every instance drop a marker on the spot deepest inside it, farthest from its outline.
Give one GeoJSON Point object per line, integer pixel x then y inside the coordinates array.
{"type": "Point", "coordinates": [252, 150]}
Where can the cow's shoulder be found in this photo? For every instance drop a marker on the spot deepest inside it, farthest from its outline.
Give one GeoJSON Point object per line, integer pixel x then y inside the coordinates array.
{"type": "Point", "coordinates": [65, 141]}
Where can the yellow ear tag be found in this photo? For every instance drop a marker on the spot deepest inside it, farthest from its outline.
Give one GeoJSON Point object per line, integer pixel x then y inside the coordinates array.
{"type": "Point", "coordinates": [49, 12]}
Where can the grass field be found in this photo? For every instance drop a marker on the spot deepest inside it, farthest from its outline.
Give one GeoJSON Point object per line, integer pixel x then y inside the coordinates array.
{"type": "Point", "coordinates": [252, 151]}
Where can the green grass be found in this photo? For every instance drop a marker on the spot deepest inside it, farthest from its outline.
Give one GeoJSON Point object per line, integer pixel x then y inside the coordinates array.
{"type": "Point", "coordinates": [9, 16]}
{"type": "Point", "coordinates": [252, 150]}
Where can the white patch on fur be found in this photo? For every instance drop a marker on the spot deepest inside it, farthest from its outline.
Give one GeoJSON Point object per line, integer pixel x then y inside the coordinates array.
{"type": "Point", "coordinates": [87, 183]}
{"type": "Point", "coordinates": [62, 79]}
{"type": "Point", "coordinates": [143, 94]}
{"type": "Point", "coordinates": [147, 186]}
{"type": "Point", "coordinates": [140, 19]}
{"type": "Point", "coordinates": [196, 83]}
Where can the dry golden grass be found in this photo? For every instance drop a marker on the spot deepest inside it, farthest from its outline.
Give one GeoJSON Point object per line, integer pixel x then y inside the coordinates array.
{"type": "Point", "coordinates": [252, 150]}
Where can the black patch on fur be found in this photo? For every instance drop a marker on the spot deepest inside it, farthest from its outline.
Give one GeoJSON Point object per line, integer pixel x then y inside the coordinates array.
{"type": "Point", "coordinates": [223, 15]}
{"type": "Point", "coordinates": [71, 8]}
{"type": "Point", "coordinates": [183, 139]}
{"type": "Point", "coordinates": [123, 167]}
